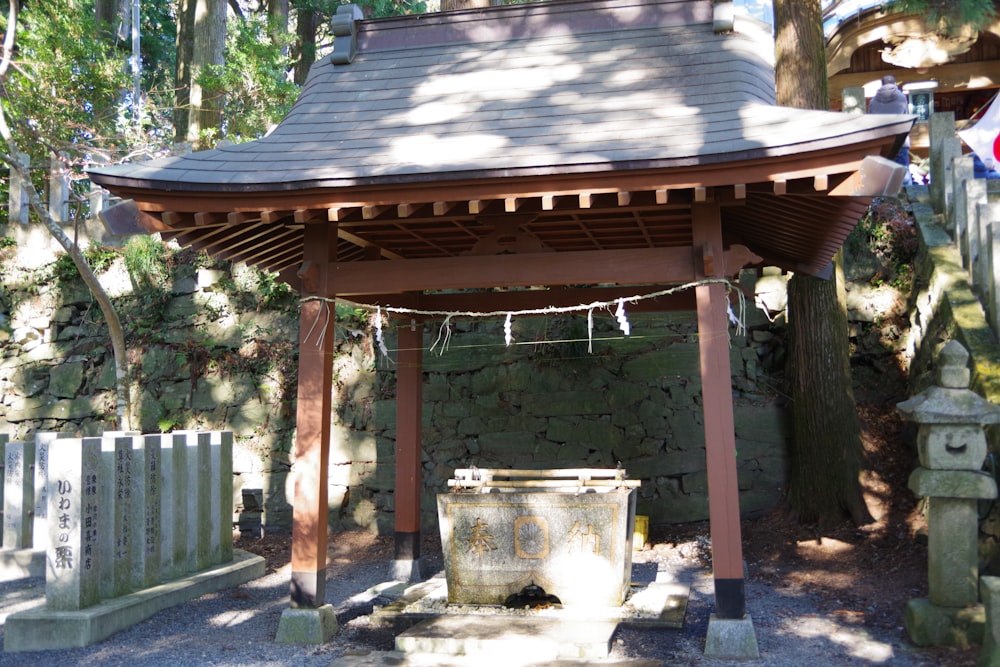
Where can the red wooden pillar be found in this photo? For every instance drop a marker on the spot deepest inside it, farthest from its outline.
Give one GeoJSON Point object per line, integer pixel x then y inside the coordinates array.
{"type": "Point", "coordinates": [409, 481]}
{"type": "Point", "coordinates": [717, 403]}
{"type": "Point", "coordinates": [315, 402]}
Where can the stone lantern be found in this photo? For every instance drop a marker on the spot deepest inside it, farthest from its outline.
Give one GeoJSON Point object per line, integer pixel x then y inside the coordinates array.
{"type": "Point", "coordinates": [951, 443]}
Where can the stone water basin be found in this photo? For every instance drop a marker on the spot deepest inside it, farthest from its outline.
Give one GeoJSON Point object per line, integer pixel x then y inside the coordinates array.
{"type": "Point", "coordinates": [507, 533]}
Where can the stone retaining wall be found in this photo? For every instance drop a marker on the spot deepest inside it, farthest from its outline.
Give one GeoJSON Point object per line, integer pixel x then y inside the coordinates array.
{"type": "Point", "coordinates": [210, 356]}
{"type": "Point", "coordinates": [634, 402]}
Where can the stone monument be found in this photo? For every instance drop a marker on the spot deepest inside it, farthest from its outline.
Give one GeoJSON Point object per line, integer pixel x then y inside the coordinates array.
{"type": "Point", "coordinates": [951, 444]}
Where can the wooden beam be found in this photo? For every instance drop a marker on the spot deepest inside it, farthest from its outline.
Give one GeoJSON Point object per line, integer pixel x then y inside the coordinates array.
{"type": "Point", "coordinates": [304, 215]}
{"type": "Point", "coordinates": [662, 195]}
{"type": "Point", "coordinates": [240, 218]}
{"type": "Point", "coordinates": [206, 218]}
{"type": "Point", "coordinates": [358, 241]}
{"type": "Point", "coordinates": [624, 198]}
{"type": "Point", "coordinates": [405, 210]}
{"type": "Point", "coordinates": [272, 217]}
{"type": "Point", "coordinates": [820, 183]}
{"type": "Point", "coordinates": [558, 297]}
{"type": "Point", "coordinates": [654, 265]}
{"type": "Point", "coordinates": [340, 213]}
{"type": "Point", "coordinates": [151, 223]}
{"type": "Point", "coordinates": [372, 212]}
{"type": "Point", "coordinates": [442, 207]}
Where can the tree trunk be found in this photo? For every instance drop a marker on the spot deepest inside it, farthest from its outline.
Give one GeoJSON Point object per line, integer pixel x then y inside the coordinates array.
{"type": "Point", "coordinates": [826, 451]}
{"type": "Point", "coordinates": [307, 24]}
{"type": "Point", "coordinates": [277, 11]}
{"type": "Point", "coordinates": [182, 69]}
{"type": "Point", "coordinates": [208, 48]}
{"type": "Point", "coordinates": [116, 17]}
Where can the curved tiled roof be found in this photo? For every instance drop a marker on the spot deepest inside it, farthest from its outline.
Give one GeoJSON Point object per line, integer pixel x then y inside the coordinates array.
{"type": "Point", "coordinates": [503, 96]}
{"type": "Point", "coordinates": [596, 123]}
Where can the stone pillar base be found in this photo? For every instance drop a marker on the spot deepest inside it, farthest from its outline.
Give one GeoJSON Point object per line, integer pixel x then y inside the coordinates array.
{"type": "Point", "coordinates": [307, 626]}
{"type": "Point", "coordinates": [406, 569]}
{"type": "Point", "coordinates": [927, 624]}
{"type": "Point", "coordinates": [731, 639]}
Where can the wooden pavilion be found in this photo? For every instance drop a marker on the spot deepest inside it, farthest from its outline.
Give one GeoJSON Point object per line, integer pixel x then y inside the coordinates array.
{"type": "Point", "coordinates": [441, 162]}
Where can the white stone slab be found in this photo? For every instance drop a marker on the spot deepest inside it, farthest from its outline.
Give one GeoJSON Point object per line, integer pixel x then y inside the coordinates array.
{"type": "Point", "coordinates": [40, 530]}
{"type": "Point", "coordinates": [145, 511]}
{"type": "Point", "coordinates": [18, 494]}
{"type": "Point", "coordinates": [173, 506]}
{"type": "Point", "coordinates": [221, 501]}
{"type": "Point", "coordinates": [199, 528]}
{"type": "Point", "coordinates": [72, 575]}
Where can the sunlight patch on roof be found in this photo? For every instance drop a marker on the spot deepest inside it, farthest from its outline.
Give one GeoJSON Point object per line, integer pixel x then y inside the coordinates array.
{"type": "Point", "coordinates": [431, 150]}
{"type": "Point", "coordinates": [499, 84]}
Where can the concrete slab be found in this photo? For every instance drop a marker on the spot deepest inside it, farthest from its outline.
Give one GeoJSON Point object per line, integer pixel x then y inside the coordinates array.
{"type": "Point", "coordinates": [536, 639]}
{"type": "Point", "coordinates": [21, 564]}
{"type": "Point", "coordinates": [43, 629]}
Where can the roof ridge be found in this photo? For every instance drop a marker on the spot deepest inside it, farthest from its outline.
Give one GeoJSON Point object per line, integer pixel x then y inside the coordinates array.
{"type": "Point", "coordinates": [526, 21]}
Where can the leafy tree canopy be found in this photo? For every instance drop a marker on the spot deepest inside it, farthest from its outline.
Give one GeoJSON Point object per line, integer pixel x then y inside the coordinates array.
{"type": "Point", "coordinates": [64, 87]}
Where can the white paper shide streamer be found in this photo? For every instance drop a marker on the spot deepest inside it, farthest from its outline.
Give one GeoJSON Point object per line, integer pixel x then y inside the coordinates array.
{"type": "Point", "coordinates": [623, 323]}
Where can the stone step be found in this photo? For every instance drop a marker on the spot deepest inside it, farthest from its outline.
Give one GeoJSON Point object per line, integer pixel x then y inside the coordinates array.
{"type": "Point", "coordinates": [521, 640]}
{"type": "Point", "coordinates": [400, 659]}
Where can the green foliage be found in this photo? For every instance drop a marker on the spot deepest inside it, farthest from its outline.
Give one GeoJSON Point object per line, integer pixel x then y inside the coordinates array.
{"type": "Point", "coordinates": [258, 92]}
{"type": "Point", "coordinates": [347, 314]}
{"type": "Point", "coordinates": [99, 257]}
{"type": "Point", "coordinates": [167, 423]}
{"type": "Point", "coordinates": [381, 8]}
{"type": "Point", "coordinates": [65, 84]}
{"type": "Point", "coordinates": [7, 242]}
{"type": "Point", "coordinates": [145, 260]}
{"type": "Point", "coordinates": [272, 290]}
{"type": "Point", "coordinates": [888, 232]}
{"type": "Point", "coordinates": [951, 15]}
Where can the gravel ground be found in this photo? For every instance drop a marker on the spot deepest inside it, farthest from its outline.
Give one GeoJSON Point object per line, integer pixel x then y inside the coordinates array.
{"type": "Point", "coordinates": [236, 627]}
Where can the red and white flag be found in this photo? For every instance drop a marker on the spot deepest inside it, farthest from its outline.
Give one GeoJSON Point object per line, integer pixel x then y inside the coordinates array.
{"type": "Point", "coordinates": [984, 136]}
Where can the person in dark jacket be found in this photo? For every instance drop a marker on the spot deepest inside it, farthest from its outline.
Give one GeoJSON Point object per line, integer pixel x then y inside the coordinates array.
{"type": "Point", "coordinates": [890, 99]}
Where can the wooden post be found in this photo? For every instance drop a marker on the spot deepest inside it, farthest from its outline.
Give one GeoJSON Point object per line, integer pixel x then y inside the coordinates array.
{"type": "Point", "coordinates": [315, 398]}
{"type": "Point", "coordinates": [717, 403]}
{"type": "Point", "coordinates": [409, 403]}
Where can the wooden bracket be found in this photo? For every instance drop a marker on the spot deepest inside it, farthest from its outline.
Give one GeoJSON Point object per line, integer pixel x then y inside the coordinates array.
{"type": "Point", "coordinates": [308, 273]}
{"type": "Point", "coordinates": [739, 256]}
